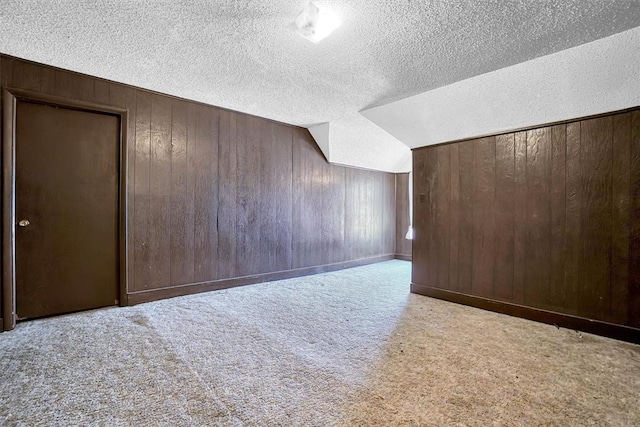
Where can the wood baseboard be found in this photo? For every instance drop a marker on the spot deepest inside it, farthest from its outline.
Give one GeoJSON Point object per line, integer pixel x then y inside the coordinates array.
{"type": "Point", "coordinates": [403, 257]}
{"type": "Point", "coordinates": [611, 330]}
{"type": "Point", "coordinates": [149, 295]}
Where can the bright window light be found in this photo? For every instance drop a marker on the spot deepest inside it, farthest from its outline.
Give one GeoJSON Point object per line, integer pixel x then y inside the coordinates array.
{"type": "Point", "coordinates": [315, 24]}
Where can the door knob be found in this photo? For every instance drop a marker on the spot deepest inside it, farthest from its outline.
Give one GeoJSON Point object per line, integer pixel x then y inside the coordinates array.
{"type": "Point", "coordinates": [24, 222]}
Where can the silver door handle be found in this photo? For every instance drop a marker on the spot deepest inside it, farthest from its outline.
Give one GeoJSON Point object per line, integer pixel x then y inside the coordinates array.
{"type": "Point", "coordinates": [24, 222]}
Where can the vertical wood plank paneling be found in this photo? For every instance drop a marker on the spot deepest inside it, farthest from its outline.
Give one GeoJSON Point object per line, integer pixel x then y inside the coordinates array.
{"type": "Point", "coordinates": [465, 229]}
{"type": "Point", "coordinates": [374, 200]}
{"type": "Point", "coordinates": [408, 244]}
{"type": "Point", "coordinates": [558, 210]}
{"type": "Point", "coordinates": [332, 214]}
{"type": "Point", "coordinates": [367, 197]}
{"type": "Point", "coordinates": [358, 221]}
{"type": "Point", "coordinates": [311, 229]}
{"type": "Point", "coordinates": [504, 217]}
{"type": "Point", "coordinates": [351, 215]}
{"type": "Point", "coordinates": [6, 76]}
{"type": "Point", "coordinates": [384, 214]}
{"type": "Point", "coordinates": [214, 183]}
{"type": "Point", "coordinates": [634, 240]}
{"type": "Point", "coordinates": [203, 191]}
{"type": "Point", "coordinates": [24, 75]}
{"type": "Point", "coordinates": [246, 194]}
{"type": "Point", "coordinates": [131, 97]}
{"type": "Point", "coordinates": [268, 200]}
{"type": "Point", "coordinates": [142, 191]}
{"type": "Point", "coordinates": [538, 220]}
{"type": "Point", "coordinates": [389, 214]}
{"type": "Point", "coordinates": [195, 202]}
{"type": "Point", "coordinates": [2, 84]}
{"type": "Point", "coordinates": [403, 245]}
{"type": "Point", "coordinates": [420, 248]}
{"type": "Point", "coordinates": [428, 190]}
{"type": "Point", "coordinates": [179, 191]}
{"type": "Point", "coordinates": [308, 194]}
{"type": "Point", "coordinates": [620, 218]}
{"type": "Point", "coordinates": [573, 227]}
{"type": "Point", "coordinates": [347, 250]}
{"type": "Point", "coordinates": [101, 91]}
{"type": "Point", "coordinates": [361, 235]}
{"type": "Point", "coordinates": [160, 193]}
{"type": "Point", "coordinates": [86, 88]}
{"type": "Point", "coordinates": [316, 164]}
{"type": "Point", "coordinates": [454, 216]}
{"type": "Point", "coordinates": [596, 137]}
{"type": "Point", "coordinates": [567, 217]}
{"type": "Point", "coordinates": [192, 155]}
{"type": "Point", "coordinates": [66, 85]}
{"type": "Point", "coordinates": [249, 193]}
{"type": "Point", "coordinates": [565, 203]}
{"type": "Point", "coordinates": [227, 195]}
{"type": "Point", "coordinates": [311, 219]}
{"type": "Point", "coordinates": [377, 217]}
{"type": "Point", "coordinates": [284, 206]}
{"type": "Point", "coordinates": [341, 174]}
{"type": "Point", "coordinates": [298, 187]}
{"type": "Point", "coordinates": [366, 212]}
{"type": "Point", "coordinates": [363, 213]}
{"type": "Point", "coordinates": [483, 216]}
{"type": "Point", "coordinates": [117, 94]}
{"type": "Point", "coordinates": [326, 223]}
{"type": "Point", "coordinates": [417, 168]}
{"type": "Point", "coordinates": [402, 216]}
{"type": "Point", "coordinates": [520, 216]}
{"type": "Point", "coordinates": [48, 80]}
{"type": "Point", "coordinates": [442, 216]}
{"type": "Point", "coordinates": [377, 203]}
{"type": "Point", "coordinates": [388, 210]}
{"type": "Point", "coordinates": [431, 210]}
{"type": "Point", "coordinates": [216, 194]}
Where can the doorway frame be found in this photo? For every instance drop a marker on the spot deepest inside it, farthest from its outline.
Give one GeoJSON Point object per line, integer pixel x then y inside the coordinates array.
{"type": "Point", "coordinates": [10, 98]}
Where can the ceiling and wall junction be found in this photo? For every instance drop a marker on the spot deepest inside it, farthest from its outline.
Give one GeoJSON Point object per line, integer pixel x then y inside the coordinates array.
{"type": "Point", "coordinates": [242, 55]}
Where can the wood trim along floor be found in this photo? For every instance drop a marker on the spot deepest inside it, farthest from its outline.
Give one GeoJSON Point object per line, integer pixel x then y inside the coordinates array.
{"type": "Point", "coordinates": [139, 297]}
{"type": "Point", "coordinates": [619, 332]}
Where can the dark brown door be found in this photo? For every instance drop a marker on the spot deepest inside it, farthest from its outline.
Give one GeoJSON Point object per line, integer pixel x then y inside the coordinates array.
{"type": "Point", "coordinates": [66, 209]}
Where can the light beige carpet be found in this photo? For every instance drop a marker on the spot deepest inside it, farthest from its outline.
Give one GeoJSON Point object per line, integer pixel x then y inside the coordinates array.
{"type": "Point", "coordinates": [345, 348]}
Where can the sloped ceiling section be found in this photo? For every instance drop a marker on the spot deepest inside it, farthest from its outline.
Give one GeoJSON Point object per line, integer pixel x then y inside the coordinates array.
{"type": "Point", "coordinates": [321, 135]}
{"type": "Point", "coordinates": [593, 78]}
{"type": "Point", "coordinates": [243, 55]}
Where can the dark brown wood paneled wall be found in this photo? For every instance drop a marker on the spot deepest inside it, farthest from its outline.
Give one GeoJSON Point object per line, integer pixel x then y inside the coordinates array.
{"type": "Point", "coordinates": [546, 218]}
{"type": "Point", "coordinates": [215, 194]}
{"type": "Point", "coordinates": [2, 289]}
{"type": "Point", "coordinates": [403, 246]}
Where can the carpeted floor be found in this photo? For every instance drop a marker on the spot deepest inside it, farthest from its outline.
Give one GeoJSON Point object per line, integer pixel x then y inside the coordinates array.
{"type": "Point", "coordinates": [345, 348]}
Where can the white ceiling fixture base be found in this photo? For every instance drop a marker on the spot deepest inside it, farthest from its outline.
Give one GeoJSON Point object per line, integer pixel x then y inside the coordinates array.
{"type": "Point", "coordinates": [314, 24]}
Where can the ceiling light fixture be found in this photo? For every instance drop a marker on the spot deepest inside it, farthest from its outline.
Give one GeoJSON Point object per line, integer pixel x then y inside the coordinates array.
{"type": "Point", "coordinates": [315, 24]}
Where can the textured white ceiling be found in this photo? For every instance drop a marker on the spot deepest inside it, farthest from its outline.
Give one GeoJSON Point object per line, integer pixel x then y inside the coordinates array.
{"type": "Point", "coordinates": [593, 78]}
{"type": "Point", "coordinates": [242, 54]}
